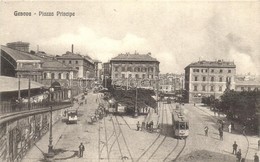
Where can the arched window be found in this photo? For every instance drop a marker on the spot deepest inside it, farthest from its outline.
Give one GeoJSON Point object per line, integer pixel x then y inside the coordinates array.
{"type": "Point", "coordinates": [44, 75]}
{"type": "Point", "coordinates": [52, 76]}
{"type": "Point", "coordinates": [67, 76]}
{"type": "Point", "coordinates": [59, 75]}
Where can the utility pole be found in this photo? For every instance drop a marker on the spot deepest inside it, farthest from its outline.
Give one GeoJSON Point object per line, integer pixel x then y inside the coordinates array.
{"type": "Point", "coordinates": [29, 93]}
{"type": "Point", "coordinates": [19, 87]}
{"type": "Point", "coordinates": [136, 111]}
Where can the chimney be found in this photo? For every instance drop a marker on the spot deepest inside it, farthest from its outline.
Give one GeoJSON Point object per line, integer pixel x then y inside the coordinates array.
{"type": "Point", "coordinates": [72, 48]}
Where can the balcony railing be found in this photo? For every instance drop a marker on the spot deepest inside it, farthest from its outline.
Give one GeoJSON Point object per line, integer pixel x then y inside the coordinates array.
{"type": "Point", "coordinates": [8, 107]}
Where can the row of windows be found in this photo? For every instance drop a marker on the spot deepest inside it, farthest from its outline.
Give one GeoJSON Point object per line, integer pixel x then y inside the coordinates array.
{"type": "Point", "coordinates": [136, 69]}
{"type": "Point", "coordinates": [220, 79]}
{"type": "Point", "coordinates": [212, 88]}
{"type": "Point", "coordinates": [212, 70]}
{"type": "Point", "coordinates": [70, 62]}
{"type": "Point", "coordinates": [136, 76]}
{"type": "Point", "coordinates": [59, 76]}
{"type": "Point", "coordinates": [248, 88]}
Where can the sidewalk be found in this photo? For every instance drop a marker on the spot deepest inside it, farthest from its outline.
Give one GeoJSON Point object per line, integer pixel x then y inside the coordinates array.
{"type": "Point", "coordinates": [38, 151]}
{"type": "Point", "coordinates": [251, 141]}
{"type": "Point", "coordinates": [152, 116]}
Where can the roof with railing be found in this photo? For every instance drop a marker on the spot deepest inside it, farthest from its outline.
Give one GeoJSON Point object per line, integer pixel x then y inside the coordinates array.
{"type": "Point", "coordinates": [134, 57]}
{"type": "Point", "coordinates": [212, 64]}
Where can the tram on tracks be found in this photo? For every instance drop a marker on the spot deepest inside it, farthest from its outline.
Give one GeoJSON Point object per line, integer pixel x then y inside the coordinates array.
{"type": "Point", "coordinates": [72, 116]}
{"type": "Point", "coordinates": [180, 125]}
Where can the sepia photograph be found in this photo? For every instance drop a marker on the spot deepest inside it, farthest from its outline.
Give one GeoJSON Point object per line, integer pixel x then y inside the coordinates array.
{"type": "Point", "coordinates": [130, 81]}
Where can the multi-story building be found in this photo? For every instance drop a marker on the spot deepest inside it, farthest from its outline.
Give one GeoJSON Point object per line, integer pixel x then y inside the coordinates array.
{"type": "Point", "coordinates": [45, 70]}
{"type": "Point", "coordinates": [129, 69]}
{"type": "Point", "coordinates": [84, 64]}
{"type": "Point", "coordinates": [205, 78]}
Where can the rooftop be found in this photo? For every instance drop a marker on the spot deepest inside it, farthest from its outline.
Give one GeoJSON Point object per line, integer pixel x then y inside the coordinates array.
{"type": "Point", "coordinates": [70, 55]}
{"type": "Point", "coordinates": [206, 64]}
{"type": "Point", "coordinates": [134, 57]}
{"type": "Point", "coordinates": [55, 65]}
{"type": "Point", "coordinates": [19, 55]}
{"type": "Point", "coordinates": [9, 84]}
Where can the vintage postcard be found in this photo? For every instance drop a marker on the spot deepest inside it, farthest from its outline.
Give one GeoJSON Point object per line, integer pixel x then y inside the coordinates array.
{"type": "Point", "coordinates": [140, 81]}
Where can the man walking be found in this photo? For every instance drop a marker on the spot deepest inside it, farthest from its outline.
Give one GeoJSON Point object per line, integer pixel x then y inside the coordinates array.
{"type": "Point", "coordinates": [258, 145]}
{"type": "Point", "coordinates": [138, 126]}
{"type": "Point", "coordinates": [234, 148]}
{"type": "Point", "coordinates": [81, 149]}
{"type": "Point", "coordinates": [221, 134]}
{"type": "Point", "coordinates": [256, 158]}
{"type": "Point", "coordinates": [239, 155]}
{"type": "Point", "coordinates": [206, 129]}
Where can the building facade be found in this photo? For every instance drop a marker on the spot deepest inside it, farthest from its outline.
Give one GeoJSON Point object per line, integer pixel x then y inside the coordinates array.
{"type": "Point", "coordinates": [131, 69]}
{"type": "Point", "coordinates": [205, 78]}
{"type": "Point", "coordinates": [84, 64]}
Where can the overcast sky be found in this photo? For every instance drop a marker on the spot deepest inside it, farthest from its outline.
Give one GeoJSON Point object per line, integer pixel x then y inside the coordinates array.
{"type": "Point", "coordinates": [176, 33]}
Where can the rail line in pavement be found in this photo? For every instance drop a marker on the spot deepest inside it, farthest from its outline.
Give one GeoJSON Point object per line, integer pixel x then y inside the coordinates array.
{"type": "Point", "coordinates": [152, 144]}
{"type": "Point", "coordinates": [157, 148]}
{"type": "Point", "coordinates": [122, 134]}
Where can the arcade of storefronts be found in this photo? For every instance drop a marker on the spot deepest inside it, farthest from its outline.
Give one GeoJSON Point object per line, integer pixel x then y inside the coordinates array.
{"type": "Point", "coordinates": [19, 135]}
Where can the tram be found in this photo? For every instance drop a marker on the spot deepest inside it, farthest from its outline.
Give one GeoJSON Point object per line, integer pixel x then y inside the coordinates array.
{"type": "Point", "coordinates": [72, 116]}
{"type": "Point", "coordinates": [180, 125]}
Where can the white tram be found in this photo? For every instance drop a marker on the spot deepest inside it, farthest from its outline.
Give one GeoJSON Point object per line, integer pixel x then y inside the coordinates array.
{"type": "Point", "coordinates": [72, 116]}
{"type": "Point", "coordinates": [180, 125]}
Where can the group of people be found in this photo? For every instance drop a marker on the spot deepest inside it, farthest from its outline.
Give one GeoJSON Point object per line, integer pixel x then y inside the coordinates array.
{"type": "Point", "coordinates": [206, 130]}
{"type": "Point", "coordinates": [239, 154]}
{"type": "Point", "coordinates": [148, 126]}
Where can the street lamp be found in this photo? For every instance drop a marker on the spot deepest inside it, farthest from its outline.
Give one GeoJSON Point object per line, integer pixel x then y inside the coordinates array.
{"type": "Point", "coordinates": [136, 111]}
{"type": "Point", "coordinates": [50, 146]}
{"type": "Point", "coordinates": [157, 85]}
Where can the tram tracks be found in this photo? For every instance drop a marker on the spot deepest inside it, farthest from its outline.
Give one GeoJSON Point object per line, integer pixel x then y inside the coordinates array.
{"type": "Point", "coordinates": [116, 144]}
{"type": "Point", "coordinates": [156, 147]}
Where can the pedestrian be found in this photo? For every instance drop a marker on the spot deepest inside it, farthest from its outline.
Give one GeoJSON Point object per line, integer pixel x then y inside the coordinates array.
{"type": "Point", "coordinates": [258, 145]}
{"type": "Point", "coordinates": [256, 158]}
{"type": "Point", "coordinates": [81, 149]}
{"type": "Point", "coordinates": [244, 130]}
{"type": "Point", "coordinates": [221, 134]}
{"type": "Point", "coordinates": [147, 126]}
{"type": "Point", "coordinates": [239, 155]}
{"type": "Point", "coordinates": [222, 125]}
{"type": "Point", "coordinates": [138, 126]}
{"type": "Point", "coordinates": [194, 104]}
{"type": "Point", "coordinates": [234, 148]}
{"type": "Point", "coordinates": [151, 126]}
{"type": "Point", "coordinates": [206, 129]}
{"type": "Point", "coordinates": [229, 128]}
